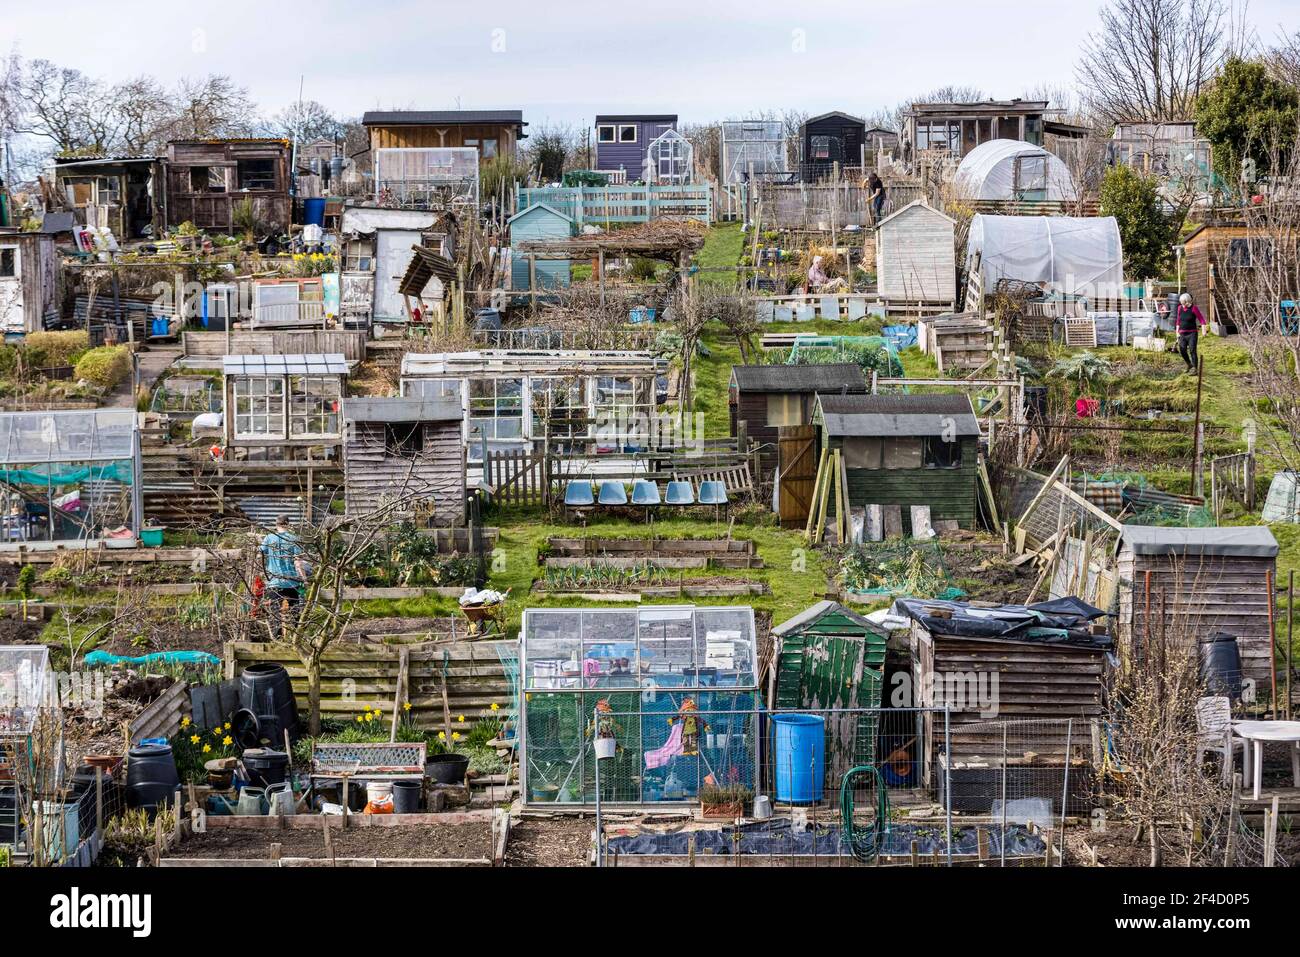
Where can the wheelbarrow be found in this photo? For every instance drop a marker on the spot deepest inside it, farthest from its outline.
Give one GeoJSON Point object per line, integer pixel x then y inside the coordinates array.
{"type": "Point", "coordinates": [484, 617]}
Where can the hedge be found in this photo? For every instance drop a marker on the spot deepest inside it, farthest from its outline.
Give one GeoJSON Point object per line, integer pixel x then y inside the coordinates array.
{"type": "Point", "coordinates": [51, 349]}
{"type": "Point", "coordinates": [104, 366]}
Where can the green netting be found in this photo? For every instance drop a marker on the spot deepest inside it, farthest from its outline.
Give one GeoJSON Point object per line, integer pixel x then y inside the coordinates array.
{"type": "Point", "coordinates": [899, 567]}
{"type": "Point", "coordinates": [870, 352]}
{"type": "Point", "coordinates": [1179, 516]}
{"type": "Point", "coordinates": [46, 475]}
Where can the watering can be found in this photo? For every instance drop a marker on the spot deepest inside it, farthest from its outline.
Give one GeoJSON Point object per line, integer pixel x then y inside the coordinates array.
{"type": "Point", "coordinates": [251, 801]}
{"type": "Point", "coordinates": [280, 800]}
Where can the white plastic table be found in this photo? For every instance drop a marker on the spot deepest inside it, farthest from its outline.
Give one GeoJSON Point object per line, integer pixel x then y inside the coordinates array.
{"type": "Point", "coordinates": [1256, 733]}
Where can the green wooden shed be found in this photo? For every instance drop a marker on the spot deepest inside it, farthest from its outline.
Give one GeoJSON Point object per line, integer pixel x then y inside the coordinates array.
{"type": "Point", "coordinates": [906, 450]}
{"type": "Point", "coordinates": [828, 659]}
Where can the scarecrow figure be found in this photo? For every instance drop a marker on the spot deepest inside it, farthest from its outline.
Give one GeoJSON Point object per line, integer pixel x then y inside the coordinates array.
{"type": "Point", "coordinates": [692, 725]}
{"type": "Point", "coordinates": [603, 726]}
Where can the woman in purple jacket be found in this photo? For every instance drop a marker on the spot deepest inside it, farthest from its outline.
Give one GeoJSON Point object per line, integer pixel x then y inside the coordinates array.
{"type": "Point", "coordinates": [1187, 323]}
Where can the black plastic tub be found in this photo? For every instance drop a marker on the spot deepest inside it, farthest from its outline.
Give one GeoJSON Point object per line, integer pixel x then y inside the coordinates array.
{"type": "Point", "coordinates": [265, 690]}
{"type": "Point", "coordinates": [406, 796]}
{"type": "Point", "coordinates": [265, 766]}
{"type": "Point", "coordinates": [1221, 664]}
{"type": "Point", "coordinates": [151, 777]}
{"type": "Point", "coordinates": [447, 768]}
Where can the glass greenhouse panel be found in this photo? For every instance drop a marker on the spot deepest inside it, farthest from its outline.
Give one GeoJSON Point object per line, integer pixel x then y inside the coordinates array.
{"type": "Point", "coordinates": [25, 687]}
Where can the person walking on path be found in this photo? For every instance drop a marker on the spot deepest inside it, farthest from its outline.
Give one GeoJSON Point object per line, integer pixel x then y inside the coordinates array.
{"type": "Point", "coordinates": [286, 573]}
{"type": "Point", "coordinates": [1187, 323]}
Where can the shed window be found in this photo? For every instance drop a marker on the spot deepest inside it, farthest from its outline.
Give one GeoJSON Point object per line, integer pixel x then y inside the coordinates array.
{"type": "Point", "coordinates": [820, 147]}
{"type": "Point", "coordinates": [207, 179]}
{"type": "Point", "coordinates": [605, 133]}
{"type": "Point", "coordinates": [784, 410]}
{"type": "Point", "coordinates": [313, 405]}
{"type": "Point", "coordinates": [403, 439]}
{"type": "Point", "coordinates": [432, 388]}
{"type": "Point", "coordinates": [942, 455]}
{"type": "Point", "coordinates": [496, 408]}
{"type": "Point", "coordinates": [1246, 253]}
{"type": "Point", "coordinates": [8, 262]}
{"type": "Point", "coordinates": [627, 133]}
{"type": "Point", "coordinates": [259, 407]}
{"type": "Point", "coordinates": [561, 402]}
{"type": "Point", "coordinates": [256, 174]}
{"type": "Point", "coordinates": [902, 453]}
{"type": "Point", "coordinates": [489, 148]}
{"type": "Point", "coordinates": [863, 453]}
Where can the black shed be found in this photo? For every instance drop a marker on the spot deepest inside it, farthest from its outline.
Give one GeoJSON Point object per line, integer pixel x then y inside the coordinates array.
{"type": "Point", "coordinates": [828, 139]}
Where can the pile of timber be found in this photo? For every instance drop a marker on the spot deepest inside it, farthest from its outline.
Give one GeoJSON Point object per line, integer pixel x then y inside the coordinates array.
{"type": "Point", "coordinates": [660, 552]}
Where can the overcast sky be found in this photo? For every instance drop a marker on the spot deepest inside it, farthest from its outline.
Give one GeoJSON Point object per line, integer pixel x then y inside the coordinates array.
{"type": "Point", "coordinates": [566, 61]}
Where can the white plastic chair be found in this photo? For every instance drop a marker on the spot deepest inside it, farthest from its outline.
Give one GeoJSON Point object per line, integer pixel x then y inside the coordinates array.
{"type": "Point", "coordinates": [1214, 735]}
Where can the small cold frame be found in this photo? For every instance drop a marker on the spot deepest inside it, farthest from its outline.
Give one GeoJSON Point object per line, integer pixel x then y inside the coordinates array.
{"type": "Point", "coordinates": [681, 685]}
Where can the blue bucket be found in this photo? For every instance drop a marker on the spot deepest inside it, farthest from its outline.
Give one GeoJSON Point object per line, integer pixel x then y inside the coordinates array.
{"type": "Point", "coordinates": [800, 757]}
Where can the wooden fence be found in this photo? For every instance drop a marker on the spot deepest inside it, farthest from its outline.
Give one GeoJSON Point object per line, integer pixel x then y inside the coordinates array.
{"type": "Point", "coordinates": [356, 677]}
{"type": "Point", "coordinates": [622, 204]}
{"type": "Point", "coordinates": [1232, 476]}
{"type": "Point", "coordinates": [163, 717]}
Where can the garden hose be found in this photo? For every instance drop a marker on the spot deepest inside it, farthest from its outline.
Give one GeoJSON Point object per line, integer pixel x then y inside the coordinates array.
{"type": "Point", "coordinates": [865, 843]}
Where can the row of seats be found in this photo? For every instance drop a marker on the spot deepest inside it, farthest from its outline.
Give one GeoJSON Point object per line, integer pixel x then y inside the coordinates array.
{"type": "Point", "coordinates": [646, 493]}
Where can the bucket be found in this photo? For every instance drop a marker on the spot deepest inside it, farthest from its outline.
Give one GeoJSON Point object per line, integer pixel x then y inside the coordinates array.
{"type": "Point", "coordinates": [800, 758]}
{"type": "Point", "coordinates": [265, 690]}
{"type": "Point", "coordinates": [447, 768]}
{"type": "Point", "coordinates": [60, 828]}
{"type": "Point", "coordinates": [377, 791]}
{"type": "Point", "coordinates": [266, 767]}
{"type": "Point", "coordinates": [313, 211]}
{"type": "Point", "coordinates": [406, 796]}
{"type": "Point", "coordinates": [1221, 664]}
{"type": "Point", "coordinates": [151, 777]}
{"type": "Point", "coordinates": [151, 537]}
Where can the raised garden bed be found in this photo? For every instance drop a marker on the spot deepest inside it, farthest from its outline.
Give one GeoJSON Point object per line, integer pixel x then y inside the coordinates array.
{"type": "Point", "coordinates": [663, 552]}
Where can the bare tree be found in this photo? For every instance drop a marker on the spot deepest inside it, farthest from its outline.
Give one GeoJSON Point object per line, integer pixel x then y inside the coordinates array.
{"type": "Point", "coordinates": [1284, 59]}
{"type": "Point", "coordinates": [308, 120]}
{"type": "Point", "coordinates": [211, 106]}
{"type": "Point", "coordinates": [792, 122]}
{"type": "Point", "coordinates": [144, 111]}
{"type": "Point", "coordinates": [62, 106]}
{"type": "Point", "coordinates": [1151, 58]}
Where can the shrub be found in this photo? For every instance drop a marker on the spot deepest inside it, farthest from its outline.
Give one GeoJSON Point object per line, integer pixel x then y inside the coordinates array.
{"type": "Point", "coordinates": [46, 349]}
{"type": "Point", "coordinates": [104, 366]}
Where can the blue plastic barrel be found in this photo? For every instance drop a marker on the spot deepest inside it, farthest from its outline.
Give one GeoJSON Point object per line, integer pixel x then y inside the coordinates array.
{"type": "Point", "coordinates": [313, 211]}
{"type": "Point", "coordinates": [800, 757]}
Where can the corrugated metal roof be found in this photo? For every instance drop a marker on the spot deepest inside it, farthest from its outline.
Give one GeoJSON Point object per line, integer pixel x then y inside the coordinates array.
{"type": "Point", "coordinates": [401, 409]}
{"type": "Point", "coordinates": [432, 117]}
{"type": "Point", "coordinates": [891, 416]}
{"type": "Point", "coordinates": [1250, 541]}
{"type": "Point", "coordinates": [328, 364]}
{"type": "Point", "coordinates": [831, 377]}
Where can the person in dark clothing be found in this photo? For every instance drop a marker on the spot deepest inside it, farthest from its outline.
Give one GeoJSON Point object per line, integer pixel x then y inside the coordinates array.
{"type": "Point", "coordinates": [876, 193]}
{"type": "Point", "coordinates": [1187, 323]}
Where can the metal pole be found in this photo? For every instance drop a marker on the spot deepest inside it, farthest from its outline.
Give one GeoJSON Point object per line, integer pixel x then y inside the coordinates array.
{"type": "Point", "coordinates": [1065, 785]}
{"type": "Point", "coordinates": [1003, 839]}
{"type": "Point", "coordinates": [1290, 624]}
{"type": "Point", "coordinates": [947, 776]}
{"type": "Point", "coordinates": [595, 730]}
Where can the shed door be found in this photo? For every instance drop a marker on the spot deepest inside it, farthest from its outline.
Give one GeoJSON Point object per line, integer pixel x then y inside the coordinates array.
{"type": "Point", "coordinates": [392, 256]}
{"type": "Point", "coordinates": [797, 471]}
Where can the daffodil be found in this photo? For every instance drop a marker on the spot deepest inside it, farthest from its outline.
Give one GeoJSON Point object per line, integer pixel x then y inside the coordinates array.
{"type": "Point", "coordinates": [207, 748]}
{"type": "Point", "coordinates": [359, 719]}
{"type": "Point", "coordinates": [194, 739]}
{"type": "Point", "coordinates": [455, 736]}
{"type": "Point", "coordinates": [227, 725]}
{"type": "Point", "coordinates": [495, 706]}
{"type": "Point", "coordinates": [460, 718]}
{"type": "Point", "coordinates": [369, 716]}
{"type": "Point", "coordinates": [185, 722]}
{"type": "Point", "coordinates": [227, 740]}
{"type": "Point", "coordinates": [442, 735]}
{"type": "Point", "coordinates": [406, 706]}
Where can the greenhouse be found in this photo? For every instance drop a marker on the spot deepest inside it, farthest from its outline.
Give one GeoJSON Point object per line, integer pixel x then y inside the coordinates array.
{"type": "Point", "coordinates": [69, 477]}
{"type": "Point", "coordinates": [676, 689]}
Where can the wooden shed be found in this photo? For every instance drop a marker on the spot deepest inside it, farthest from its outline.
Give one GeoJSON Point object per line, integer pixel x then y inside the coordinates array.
{"type": "Point", "coordinates": [1192, 582]}
{"type": "Point", "coordinates": [767, 398]}
{"type": "Point", "coordinates": [1020, 682]}
{"type": "Point", "coordinates": [828, 658]}
{"type": "Point", "coordinates": [916, 260]}
{"type": "Point", "coordinates": [284, 408]}
{"type": "Point", "coordinates": [538, 222]}
{"type": "Point", "coordinates": [124, 194]}
{"type": "Point", "coordinates": [207, 180]}
{"type": "Point", "coordinates": [1219, 258]}
{"type": "Point", "coordinates": [830, 139]}
{"type": "Point", "coordinates": [405, 448]}
{"type": "Point", "coordinates": [906, 450]}
{"type": "Point", "coordinates": [29, 282]}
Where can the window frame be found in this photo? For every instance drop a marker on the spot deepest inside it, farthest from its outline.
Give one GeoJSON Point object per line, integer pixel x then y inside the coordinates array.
{"type": "Point", "coordinates": [601, 128]}
{"type": "Point", "coordinates": [495, 408]}
{"type": "Point", "coordinates": [314, 400]}
{"type": "Point", "coordinates": [266, 405]}
{"type": "Point", "coordinates": [271, 177]}
{"type": "Point", "coordinates": [785, 401]}
{"type": "Point", "coordinates": [636, 134]}
{"type": "Point", "coordinates": [16, 258]}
